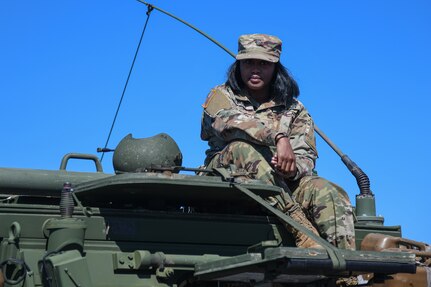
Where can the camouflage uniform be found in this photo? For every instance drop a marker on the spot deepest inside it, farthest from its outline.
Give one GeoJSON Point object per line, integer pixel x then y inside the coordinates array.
{"type": "Point", "coordinates": [240, 132]}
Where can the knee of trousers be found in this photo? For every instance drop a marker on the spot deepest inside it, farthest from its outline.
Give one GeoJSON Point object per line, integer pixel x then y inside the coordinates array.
{"type": "Point", "coordinates": [240, 152]}
{"type": "Point", "coordinates": [248, 157]}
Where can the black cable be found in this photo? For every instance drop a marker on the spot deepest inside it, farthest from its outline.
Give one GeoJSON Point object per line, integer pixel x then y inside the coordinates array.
{"type": "Point", "coordinates": [150, 8]}
{"type": "Point", "coordinates": [16, 262]}
{"type": "Point", "coordinates": [44, 270]}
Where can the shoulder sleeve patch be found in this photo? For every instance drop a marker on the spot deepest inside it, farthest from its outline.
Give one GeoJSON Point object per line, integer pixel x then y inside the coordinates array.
{"type": "Point", "coordinates": [310, 139]}
{"type": "Point", "coordinates": [215, 102]}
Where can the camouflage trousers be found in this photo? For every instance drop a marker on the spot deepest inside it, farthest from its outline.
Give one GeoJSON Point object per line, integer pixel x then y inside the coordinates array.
{"type": "Point", "coordinates": [326, 204]}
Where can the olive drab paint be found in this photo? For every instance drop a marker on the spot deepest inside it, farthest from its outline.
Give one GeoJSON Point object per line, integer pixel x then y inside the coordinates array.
{"type": "Point", "coordinates": [162, 228]}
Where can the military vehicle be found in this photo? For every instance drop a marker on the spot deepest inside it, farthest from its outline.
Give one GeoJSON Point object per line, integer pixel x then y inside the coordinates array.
{"type": "Point", "coordinates": [156, 223]}
{"type": "Point", "coordinates": [150, 225]}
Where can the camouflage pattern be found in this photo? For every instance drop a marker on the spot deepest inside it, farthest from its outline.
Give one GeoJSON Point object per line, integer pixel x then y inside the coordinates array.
{"type": "Point", "coordinates": [246, 160]}
{"type": "Point", "coordinates": [329, 207]}
{"type": "Point", "coordinates": [240, 135]}
{"type": "Point", "coordinates": [259, 46]}
{"type": "Point", "coordinates": [229, 117]}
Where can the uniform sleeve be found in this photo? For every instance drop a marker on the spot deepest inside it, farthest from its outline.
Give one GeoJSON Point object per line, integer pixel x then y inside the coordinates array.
{"type": "Point", "coordinates": [303, 143]}
{"type": "Point", "coordinates": [222, 119]}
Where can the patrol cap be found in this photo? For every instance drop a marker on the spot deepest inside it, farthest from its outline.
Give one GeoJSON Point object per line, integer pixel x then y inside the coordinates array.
{"type": "Point", "coordinates": [259, 46]}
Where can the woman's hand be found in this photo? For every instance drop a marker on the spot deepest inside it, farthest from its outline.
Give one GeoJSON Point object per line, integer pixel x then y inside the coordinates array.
{"type": "Point", "coordinates": [284, 160]}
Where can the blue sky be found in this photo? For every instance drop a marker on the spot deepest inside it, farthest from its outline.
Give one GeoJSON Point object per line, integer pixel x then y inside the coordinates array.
{"type": "Point", "coordinates": [363, 68]}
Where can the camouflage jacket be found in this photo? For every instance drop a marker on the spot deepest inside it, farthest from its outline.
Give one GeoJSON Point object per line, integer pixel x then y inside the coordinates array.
{"type": "Point", "coordinates": [228, 117]}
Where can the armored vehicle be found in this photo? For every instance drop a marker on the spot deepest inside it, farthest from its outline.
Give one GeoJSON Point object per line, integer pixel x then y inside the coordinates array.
{"type": "Point", "coordinates": [152, 224]}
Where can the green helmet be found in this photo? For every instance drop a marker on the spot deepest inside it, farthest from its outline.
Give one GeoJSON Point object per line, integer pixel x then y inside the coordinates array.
{"type": "Point", "coordinates": [139, 155]}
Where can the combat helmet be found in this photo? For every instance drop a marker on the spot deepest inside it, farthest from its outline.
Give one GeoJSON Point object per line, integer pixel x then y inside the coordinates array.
{"type": "Point", "coordinates": [145, 154]}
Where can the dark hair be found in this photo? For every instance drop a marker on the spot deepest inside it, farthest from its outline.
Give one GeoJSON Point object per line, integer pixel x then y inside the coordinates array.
{"type": "Point", "coordinates": [282, 83]}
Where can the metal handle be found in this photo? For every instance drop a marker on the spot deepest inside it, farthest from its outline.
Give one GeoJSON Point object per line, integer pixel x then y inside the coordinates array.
{"type": "Point", "coordinates": [92, 157]}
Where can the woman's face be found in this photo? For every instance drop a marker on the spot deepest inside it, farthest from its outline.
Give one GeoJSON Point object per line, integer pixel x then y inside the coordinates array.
{"type": "Point", "coordinates": [256, 74]}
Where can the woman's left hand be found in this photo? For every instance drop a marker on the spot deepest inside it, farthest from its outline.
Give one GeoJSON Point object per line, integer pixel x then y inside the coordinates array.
{"type": "Point", "coordinates": [284, 160]}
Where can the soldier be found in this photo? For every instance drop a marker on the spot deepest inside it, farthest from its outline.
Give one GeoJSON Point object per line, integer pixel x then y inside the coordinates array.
{"type": "Point", "coordinates": [255, 124]}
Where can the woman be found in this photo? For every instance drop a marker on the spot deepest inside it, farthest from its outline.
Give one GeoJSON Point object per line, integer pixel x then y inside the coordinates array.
{"type": "Point", "coordinates": [254, 123]}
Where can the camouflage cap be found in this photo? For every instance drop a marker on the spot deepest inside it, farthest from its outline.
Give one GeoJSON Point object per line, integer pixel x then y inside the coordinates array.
{"type": "Point", "coordinates": [259, 46]}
